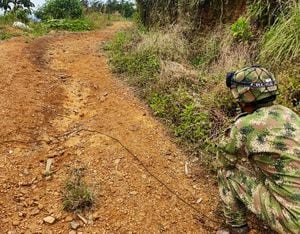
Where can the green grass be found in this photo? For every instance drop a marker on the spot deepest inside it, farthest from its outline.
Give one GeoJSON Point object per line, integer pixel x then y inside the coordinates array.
{"type": "Point", "coordinates": [282, 42]}
{"type": "Point", "coordinates": [141, 66]}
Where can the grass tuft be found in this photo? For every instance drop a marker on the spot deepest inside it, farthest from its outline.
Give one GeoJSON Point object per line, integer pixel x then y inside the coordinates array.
{"type": "Point", "coordinates": [77, 196]}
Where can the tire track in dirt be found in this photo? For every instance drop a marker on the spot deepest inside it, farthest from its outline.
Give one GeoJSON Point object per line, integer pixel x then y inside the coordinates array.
{"type": "Point", "coordinates": [78, 91]}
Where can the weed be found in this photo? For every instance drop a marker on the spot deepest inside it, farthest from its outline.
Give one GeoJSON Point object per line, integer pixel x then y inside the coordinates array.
{"type": "Point", "coordinates": [76, 194]}
{"type": "Point", "coordinates": [241, 30]}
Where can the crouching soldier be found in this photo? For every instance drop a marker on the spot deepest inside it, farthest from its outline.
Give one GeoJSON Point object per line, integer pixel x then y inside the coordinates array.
{"type": "Point", "coordinates": [268, 137]}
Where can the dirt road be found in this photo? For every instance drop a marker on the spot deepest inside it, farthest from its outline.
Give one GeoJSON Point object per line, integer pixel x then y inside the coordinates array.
{"type": "Point", "coordinates": [51, 89]}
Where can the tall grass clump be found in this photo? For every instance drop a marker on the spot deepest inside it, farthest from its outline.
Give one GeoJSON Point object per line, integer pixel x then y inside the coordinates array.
{"type": "Point", "coordinates": [282, 42]}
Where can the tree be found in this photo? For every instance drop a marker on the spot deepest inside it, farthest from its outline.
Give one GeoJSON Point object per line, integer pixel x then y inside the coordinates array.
{"type": "Point", "coordinates": [85, 3]}
{"type": "Point", "coordinates": [4, 4]}
{"type": "Point", "coordinates": [60, 9]}
{"type": "Point", "coordinates": [22, 4]}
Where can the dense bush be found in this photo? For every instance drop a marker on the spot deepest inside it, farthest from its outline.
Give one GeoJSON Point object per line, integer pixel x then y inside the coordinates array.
{"type": "Point", "coordinates": [60, 9]}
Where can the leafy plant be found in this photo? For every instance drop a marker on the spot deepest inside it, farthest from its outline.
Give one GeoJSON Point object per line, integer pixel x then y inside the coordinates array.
{"type": "Point", "coordinates": [241, 30]}
{"type": "Point", "coordinates": [68, 25]}
{"type": "Point", "coordinates": [159, 104]}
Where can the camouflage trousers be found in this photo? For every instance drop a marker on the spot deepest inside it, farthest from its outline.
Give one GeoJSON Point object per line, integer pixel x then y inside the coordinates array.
{"type": "Point", "coordinates": [240, 190]}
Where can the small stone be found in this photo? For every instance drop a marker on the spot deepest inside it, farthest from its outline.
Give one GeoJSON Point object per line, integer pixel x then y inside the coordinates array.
{"type": "Point", "coordinates": [49, 219]}
{"type": "Point", "coordinates": [68, 218]}
{"type": "Point", "coordinates": [40, 206]}
{"type": "Point", "coordinates": [199, 200]}
{"type": "Point", "coordinates": [35, 212]}
{"type": "Point", "coordinates": [133, 193]}
{"type": "Point", "coordinates": [16, 223]}
{"type": "Point", "coordinates": [72, 232]}
{"type": "Point", "coordinates": [96, 215]}
{"type": "Point", "coordinates": [74, 225]}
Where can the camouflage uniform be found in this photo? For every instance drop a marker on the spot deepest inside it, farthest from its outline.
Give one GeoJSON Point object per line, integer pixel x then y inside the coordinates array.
{"type": "Point", "coordinates": [269, 139]}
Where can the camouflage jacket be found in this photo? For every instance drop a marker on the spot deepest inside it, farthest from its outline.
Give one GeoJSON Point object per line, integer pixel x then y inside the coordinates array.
{"type": "Point", "coordinates": [270, 139]}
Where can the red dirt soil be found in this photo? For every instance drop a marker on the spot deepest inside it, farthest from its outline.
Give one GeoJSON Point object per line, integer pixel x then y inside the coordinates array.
{"type": "Point", "coordinates": [51, 89]}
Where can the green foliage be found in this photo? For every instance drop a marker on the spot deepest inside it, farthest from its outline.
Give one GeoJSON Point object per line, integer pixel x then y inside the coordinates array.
{"type": "Point", "coordinates": [159, 104]}
{"type": "Point", "coordinates": [179, 109]}
{"type": "Point", "coordinates": [241, 30]}
{"type": "Point", "coordinates": [207, 51]}
{"type": "Point", "coordinates": [5, 36]}
{"type": "Point", "coordinates": [125, 8]}
{"type": "Point", "coordinates": [98, 21]}
{"type": "Point", "coordinates": [141, 66]}
{"type": "Point", "coordinates": [68, 25]}
{"type": "Point", "coordinates": [7, 19]}
{"type": "Point", "coordinates": [22, 15]}
{"type": "Point", "coordinates": [60, 9]}
{"type": "Point", "coordinates": [16, 5]}
{"type": "Point", "coordinates": [76, 194]}
{"type": "Point", "coordinates": [282, 42]}
{"type": "Point", "coordinates": [289, 87]}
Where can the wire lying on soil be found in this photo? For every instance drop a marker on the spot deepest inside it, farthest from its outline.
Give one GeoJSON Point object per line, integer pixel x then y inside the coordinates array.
{"type": "Point", "coordinates": [200, 216]}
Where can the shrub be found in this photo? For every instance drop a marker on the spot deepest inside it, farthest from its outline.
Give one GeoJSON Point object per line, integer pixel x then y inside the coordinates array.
{"type": "Point", "coordinates": [282, 42]}
{"type": "Point", "coordinates": [241, 30]}
{"type": "Point", "coordinates": [60, 9]}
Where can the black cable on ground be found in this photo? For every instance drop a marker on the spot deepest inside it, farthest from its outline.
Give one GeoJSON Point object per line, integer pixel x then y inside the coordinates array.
{"type": "Point", "coordinates": [200, 216]}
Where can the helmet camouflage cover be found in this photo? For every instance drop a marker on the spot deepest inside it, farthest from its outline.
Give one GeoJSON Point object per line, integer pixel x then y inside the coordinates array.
{"type": "Point", "coordinates": [252, 84]}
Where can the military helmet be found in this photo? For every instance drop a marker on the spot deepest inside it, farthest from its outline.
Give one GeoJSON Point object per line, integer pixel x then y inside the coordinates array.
{"type": "Point", "coordinates": [252, 84]}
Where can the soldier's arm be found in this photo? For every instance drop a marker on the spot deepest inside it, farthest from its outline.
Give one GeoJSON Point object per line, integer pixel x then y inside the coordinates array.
{"type": "Point", "coordinates": [231, 148]}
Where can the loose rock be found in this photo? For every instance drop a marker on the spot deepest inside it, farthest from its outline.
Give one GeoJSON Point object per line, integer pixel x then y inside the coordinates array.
{"type": "Point", "coordinates": [49, 219]}
{"type": "Point", "coordinates": [74, 225]}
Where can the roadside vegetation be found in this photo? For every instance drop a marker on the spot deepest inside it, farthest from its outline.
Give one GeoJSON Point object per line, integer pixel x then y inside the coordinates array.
{"type": "Point", "coordinates": [178, 65]}
{"type": "Point", "coordinates": [65, 15]}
